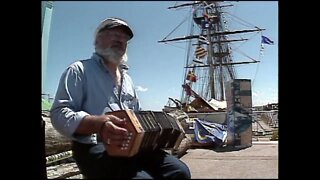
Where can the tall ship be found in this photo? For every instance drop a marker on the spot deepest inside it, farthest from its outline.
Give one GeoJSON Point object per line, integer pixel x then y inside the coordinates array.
{"type": "Point", "coordinates": [210, 61]}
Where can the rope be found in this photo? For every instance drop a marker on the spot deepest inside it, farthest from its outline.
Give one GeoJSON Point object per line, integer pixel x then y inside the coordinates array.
{"type": "Point", "coordinates": [177, 26]}
{"type": "Point", "coordinates": [260, 55]}
{"type": "Point", "coordinates": [58, 157]}
{"type": "Point", "coordinates": [247, 23]}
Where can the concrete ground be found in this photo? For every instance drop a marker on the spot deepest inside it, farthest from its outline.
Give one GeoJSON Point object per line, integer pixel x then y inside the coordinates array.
{"type": "Point", "coordinates": [258, 161]}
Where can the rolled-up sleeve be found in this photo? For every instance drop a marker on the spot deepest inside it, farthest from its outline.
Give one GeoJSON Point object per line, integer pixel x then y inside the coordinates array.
{"type": "Point", "coordinates": [66, 112]}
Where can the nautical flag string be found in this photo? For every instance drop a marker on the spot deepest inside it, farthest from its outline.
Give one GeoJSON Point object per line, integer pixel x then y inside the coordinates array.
{"type": "Point", "coordinates": [262, 50]}
{"type": "Point", "coordinates": [187, 88]}
{"type": "Point", "coordinates": [265, 40]}
{"type": "Point", "coordinates": [203, 40]}
{"type": "Point", "coordinates": [191, 76]}
{"type": "Point", "coordinates": [206, 24]}
{"type": "Point", "coordinates": [200, 52]}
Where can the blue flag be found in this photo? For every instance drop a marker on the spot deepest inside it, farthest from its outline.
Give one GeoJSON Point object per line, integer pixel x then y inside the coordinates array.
{"type": "Point", "coordinates": [206, 132]}
{"type": "Point", "coordinates": [266, 40]}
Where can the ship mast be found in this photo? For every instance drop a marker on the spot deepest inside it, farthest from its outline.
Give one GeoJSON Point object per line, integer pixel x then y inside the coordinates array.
{"type": "Point", "coordinates": [216, 67]}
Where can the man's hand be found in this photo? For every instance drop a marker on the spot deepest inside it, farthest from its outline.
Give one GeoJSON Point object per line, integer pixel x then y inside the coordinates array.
{"type": "Point", "coordinates": [113, 133]}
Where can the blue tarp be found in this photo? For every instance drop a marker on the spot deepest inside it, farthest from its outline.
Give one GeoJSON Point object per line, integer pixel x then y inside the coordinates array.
{"type": "Point", "coordinates": [207, 132]}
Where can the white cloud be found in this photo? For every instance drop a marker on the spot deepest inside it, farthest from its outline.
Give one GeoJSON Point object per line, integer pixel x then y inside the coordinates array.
{"type": "Point", "coordinates": [142, 89]}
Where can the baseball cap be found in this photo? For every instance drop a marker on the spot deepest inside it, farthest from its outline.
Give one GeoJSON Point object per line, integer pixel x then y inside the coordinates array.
{"type": "Point", "coordinates": [110, 23]}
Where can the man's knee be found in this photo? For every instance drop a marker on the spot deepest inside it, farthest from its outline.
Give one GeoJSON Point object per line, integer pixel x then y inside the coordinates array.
{"type": "Point", "coordinates": [184, 172]}
{"type": "Point", "coordinates": [179, 170]}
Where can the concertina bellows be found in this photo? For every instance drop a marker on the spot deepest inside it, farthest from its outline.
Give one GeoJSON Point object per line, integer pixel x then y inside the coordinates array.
{"type": "Point", "coordinates": [150, 130]}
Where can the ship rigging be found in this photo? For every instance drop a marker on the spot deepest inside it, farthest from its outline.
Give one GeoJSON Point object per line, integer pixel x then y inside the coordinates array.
{"type": "Point", "coordinates": [209, 64]}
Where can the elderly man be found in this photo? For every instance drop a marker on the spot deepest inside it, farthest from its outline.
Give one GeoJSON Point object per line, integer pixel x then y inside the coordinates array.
{"type": "Point", "coordinates": [90, 88]}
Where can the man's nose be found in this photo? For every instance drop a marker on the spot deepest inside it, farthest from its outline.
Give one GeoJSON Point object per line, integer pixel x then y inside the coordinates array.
{"type": "Point", "coordinates": [123, 39]}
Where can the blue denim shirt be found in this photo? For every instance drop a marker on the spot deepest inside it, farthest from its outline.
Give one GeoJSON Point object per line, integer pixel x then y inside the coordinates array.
{"type": "Point", "coordinates": [87, 88]}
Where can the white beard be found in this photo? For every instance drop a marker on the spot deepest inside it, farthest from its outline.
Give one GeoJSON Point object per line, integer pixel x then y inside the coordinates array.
{"type": "Point", "coordinates": [112, 56]}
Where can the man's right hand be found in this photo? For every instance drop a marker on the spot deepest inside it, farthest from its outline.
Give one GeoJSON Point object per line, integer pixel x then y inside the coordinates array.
{"type": "Point", "coordinates": [109, 127]}
{"type": "Point", "coordinates": [112, 131]}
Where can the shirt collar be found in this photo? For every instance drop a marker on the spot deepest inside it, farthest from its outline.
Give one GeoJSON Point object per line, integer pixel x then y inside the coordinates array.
{"type": "Point", "coordinates": [99, 59]}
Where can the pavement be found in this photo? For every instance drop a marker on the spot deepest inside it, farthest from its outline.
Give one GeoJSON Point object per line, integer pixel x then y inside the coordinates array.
{"type": "Point", "coordinates": [258, 161]}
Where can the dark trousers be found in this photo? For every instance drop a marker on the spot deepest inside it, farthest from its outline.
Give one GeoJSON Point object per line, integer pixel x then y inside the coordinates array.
{"type": "Point", "coordinates": [94, 162]}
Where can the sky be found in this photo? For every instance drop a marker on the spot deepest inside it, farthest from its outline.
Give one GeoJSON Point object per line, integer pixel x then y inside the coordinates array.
{"type": "Point", "coordinates": [157, 68]}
